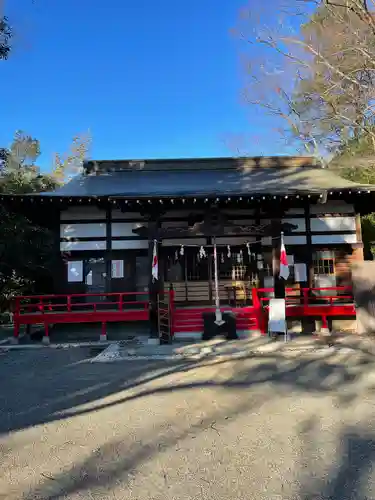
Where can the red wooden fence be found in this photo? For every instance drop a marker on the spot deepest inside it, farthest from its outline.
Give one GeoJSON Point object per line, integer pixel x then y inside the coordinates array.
{"type": "Point", "coordinates": [124, 306]}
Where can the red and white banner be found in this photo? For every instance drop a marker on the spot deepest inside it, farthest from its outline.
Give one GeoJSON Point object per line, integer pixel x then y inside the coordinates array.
{"type": "Point", "coordinates": [284, 268]}
{"type": "Point", "coordinates": [155, 263]}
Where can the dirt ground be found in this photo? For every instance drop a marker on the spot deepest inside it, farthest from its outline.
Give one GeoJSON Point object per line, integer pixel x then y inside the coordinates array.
{"type": "Point", "coordinates": [274, 426]}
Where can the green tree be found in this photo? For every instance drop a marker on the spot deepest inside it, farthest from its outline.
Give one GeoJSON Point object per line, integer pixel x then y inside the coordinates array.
{"type": "Point", "coordinates": [5, 37]}
{"type": "Point", "coordinates": [25, 247]}
{"type": "Point", "coordinates": [70, 163]}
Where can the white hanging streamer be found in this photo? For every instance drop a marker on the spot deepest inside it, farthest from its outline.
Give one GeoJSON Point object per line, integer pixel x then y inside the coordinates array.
{"type": "Point", "coordinates": [202, 252]}
{"type": "Point", "coordinates": [176, 255]}
{"type": "Point", "coordinates": [238, 258]}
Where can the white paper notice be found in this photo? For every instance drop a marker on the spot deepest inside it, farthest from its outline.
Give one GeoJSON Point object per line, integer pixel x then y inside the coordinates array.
{"type": "Point", "coordinates": [89, 278]}
{"type": "Point", "coordinates": [260, 264]}
{"type": "Point", "coordinates": [276, 320]}
{"type": "Point", "coordinates": [300, 273]}
{"type": "Point", "coordinates": [117, 269]}
{"type": "Point", "coordinates": [75, 271]}
{"type": "Point", "coordinates": [290, 260]}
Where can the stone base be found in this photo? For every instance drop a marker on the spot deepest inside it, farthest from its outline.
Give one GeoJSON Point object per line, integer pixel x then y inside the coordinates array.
{"type": "Point", "coordinates": [324, 332]}
{"type": "Point", "coordinates": [14, 341]}
{"type": "Point", "coordinates": [46, 340]}
{"type": "Point", "coordinates": [103, 338]}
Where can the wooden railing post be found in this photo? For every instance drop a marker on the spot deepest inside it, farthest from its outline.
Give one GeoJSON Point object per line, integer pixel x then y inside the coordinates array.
{"type": "Point", "coordinates": [305, 292]}
{"type": "Point", "coordinates": [103, 335]}
{"type": "Point", "coordinates": [16, 323]}
{"type": "Point", "coordinates": [171, 309]}
{"type": "Point", "coordinates": [259, 315]}
{"type": "Point", "coordinates": [46, 339]}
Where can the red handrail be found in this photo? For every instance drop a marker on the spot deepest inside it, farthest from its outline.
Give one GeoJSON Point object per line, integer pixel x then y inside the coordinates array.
{"type": "Point", "coordinates": [43, 303]}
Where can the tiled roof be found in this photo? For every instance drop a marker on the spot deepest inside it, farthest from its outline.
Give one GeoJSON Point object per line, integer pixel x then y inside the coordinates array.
{"type": "Point", "coordinates": [204, 177]}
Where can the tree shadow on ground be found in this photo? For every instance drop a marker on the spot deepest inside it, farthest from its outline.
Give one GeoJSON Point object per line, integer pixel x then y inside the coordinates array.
{"type": "Point", "coordinates": [60, 392]}
{"type": "Point", "coordinates": [52, 390]}
{"type": "Point", "coordinates": [348, 476]}
{"type": "Point", "coordinates": [116, 462]}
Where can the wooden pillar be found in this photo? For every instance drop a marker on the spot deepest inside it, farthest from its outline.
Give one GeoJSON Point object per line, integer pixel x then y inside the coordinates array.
{"type": "Point", "coordinates": [154, 285]}
{"type": "Point", "coordinates": [358, 254]}
{"type": "Point", "coordinates": [209, 273]}
{"type": "Point", "coordinates": [279, 283]}
{"type": "Point", "coordinates": [307, 324]}
{"type": "Point", "coordinates": [108, 252]}
{"type": "Point", "coordinates": [309, 248]}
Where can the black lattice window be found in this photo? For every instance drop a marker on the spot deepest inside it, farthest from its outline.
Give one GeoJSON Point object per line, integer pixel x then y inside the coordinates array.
{"type": "Point", "coordinates": [324, 262]}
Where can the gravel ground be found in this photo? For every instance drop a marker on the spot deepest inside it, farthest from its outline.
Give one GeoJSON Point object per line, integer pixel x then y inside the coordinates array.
{"type": "Point", "coordinates": [275, 426]}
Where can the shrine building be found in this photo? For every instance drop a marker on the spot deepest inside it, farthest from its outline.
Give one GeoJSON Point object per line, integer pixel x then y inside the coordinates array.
{"type": "Point", "coordinates": [107, 219]}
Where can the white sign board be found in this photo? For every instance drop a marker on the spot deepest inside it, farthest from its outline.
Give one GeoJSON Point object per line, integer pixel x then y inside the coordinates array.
{"type": "Point", "coordinates": [89, 278]}
{"type": "Point", "coordinates": [300, 272]}
{"type": "Point", "coordinates": [117, 269]}
{"type": "Point", "coordinates": [75, 271]}
{"type": "Point", "coordinates": [276, 318]}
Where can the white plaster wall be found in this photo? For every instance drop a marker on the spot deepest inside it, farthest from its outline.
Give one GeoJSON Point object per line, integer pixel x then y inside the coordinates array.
{"type": "Point", "coordinates": [300, 223]}
{"type": "Point", "coordinates": [288, 240]}
{"type": "Point", "coordinates": [333, 238]}
{"type": "Point", "coordinates": [129, 244]}
{"type": "Point", "coordinates": [94, 230]}
{"type": "Point", "coordinates": [69, 246]}
{"type": "Point", "coordinates": [333, 224]}
{"type": "Point", "coordinates": [125, 228]}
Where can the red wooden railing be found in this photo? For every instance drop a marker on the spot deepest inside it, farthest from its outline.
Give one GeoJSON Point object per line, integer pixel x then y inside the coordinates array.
{"type": "Point", "coordinates": [336, 301]}
{"type": "Point", "coordinates": [311, 303]}
{"type": "Point", "coordinates": [58, 303]}
{"type": "Point", "coordinates": [110, 307]}
{"type": "Point", "coordinates": [73, 308]}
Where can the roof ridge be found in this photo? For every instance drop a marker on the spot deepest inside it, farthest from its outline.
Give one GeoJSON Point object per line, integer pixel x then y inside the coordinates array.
{"type": "Point", "coordinates": [191, 164]}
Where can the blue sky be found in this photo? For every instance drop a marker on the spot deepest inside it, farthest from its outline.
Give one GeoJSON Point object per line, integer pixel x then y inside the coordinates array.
{"type": "Point", "coordinates": [148, 78]}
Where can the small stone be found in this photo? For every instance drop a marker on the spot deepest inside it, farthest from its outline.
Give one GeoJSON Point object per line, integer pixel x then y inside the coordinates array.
{"type": "Point", "coordinates": [207, 350]}
{"type": "Point", "coordinates": [192, 350]}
